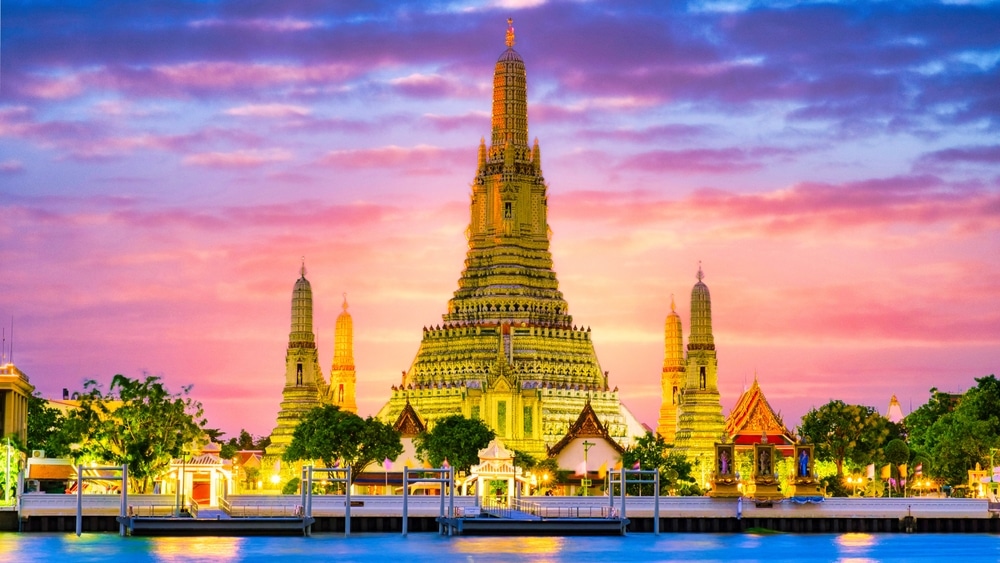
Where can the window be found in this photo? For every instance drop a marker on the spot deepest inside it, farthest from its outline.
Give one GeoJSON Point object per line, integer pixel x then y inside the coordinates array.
{"type": "Point", "coordinates": [507, 210]}
{"type": "Point", "coordinates": [701, 369]}
{"type": "Point", "coordinates": [298, 373]}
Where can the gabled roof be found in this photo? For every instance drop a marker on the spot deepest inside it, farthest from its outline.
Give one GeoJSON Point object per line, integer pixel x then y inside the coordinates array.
{"type": "Point", "coordinates": [408, 423]}
{"type": "Point", "coordinates": [753, 416]}
{"type": "Point", "coordinates": [587, 425]}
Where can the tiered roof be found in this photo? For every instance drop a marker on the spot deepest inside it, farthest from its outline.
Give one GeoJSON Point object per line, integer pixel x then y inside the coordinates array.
{"type": "Point", "coordinates": [753, 418]}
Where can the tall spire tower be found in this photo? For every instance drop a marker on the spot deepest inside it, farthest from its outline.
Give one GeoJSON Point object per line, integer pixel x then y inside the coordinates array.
{"type": "Point", "coordinates": [304, 383]}
{"type": "Point", "coordinates": [701, 423]}
{"type": "Point", "coordinates": [342, 376]}
{"type": "Point", "coordinates": [672, 377]}
{"type": "Point", "coordinates": [508, 352]}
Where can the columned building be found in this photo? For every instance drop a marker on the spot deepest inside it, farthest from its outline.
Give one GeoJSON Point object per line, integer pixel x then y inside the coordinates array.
{"type": "Point", "coordinates": [14, 392]}
{"type": "Point", "coordinates": [508, 352]}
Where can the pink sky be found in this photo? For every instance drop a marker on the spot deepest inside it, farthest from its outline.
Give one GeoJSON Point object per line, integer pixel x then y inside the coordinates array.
{"type": "Point", "coordinates": [835, 168]}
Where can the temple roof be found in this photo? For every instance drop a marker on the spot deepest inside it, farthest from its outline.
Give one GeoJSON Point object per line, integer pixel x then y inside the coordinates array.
{"type": "Point", "coordinates": [753, 416]}
{"type": "Point", "coordinates": [895, 412]}
{"type": "Point", "coordinates": [408, 423]}
{"type": "Point", "coordinates": [587, 425]}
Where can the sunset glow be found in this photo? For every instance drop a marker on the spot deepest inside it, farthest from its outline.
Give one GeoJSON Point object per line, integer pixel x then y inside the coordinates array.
{"type": "Point", "coordinates": [835, 168]}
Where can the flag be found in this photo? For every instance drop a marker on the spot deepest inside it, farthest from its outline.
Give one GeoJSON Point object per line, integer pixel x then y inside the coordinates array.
{"type": "Point", "coordinates": [902, 471]}
{"type": "Point", "coordinates": [409, 463]}
{"type": "Point", "coordinates": [919, 469]}
{"type": "Point", "coordinates": [445, 464]}
{"type": "Point", "coordinates": [635, 465]}
{"type": "Point", "coordinates": [387, 464]}
{"type": "Point", "coordinates": [871, 471]}
{"type": "Point", "coordinates": [618, 465]}
{"type": "Point", "coordinates": [336, 463]}
{"type": "Point", "coordinates": [581, 469]}
{"type": "Point", "coordinates": [602, 471]}
{"type": "Point", "coordinates": [887, 472]}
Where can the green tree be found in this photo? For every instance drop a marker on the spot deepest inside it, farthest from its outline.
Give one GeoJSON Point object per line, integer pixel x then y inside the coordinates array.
{"type": "Point", "coordinates": [842, 432]}
{"type": "Point", "coordinates": [245, 441]}
{"type": "Point", "coordinates": [137, 423]}
{"type": "Point", "coordinates": [652, 452]}
{"type": "Point", "coordinates": [328, 434]}
{"type": "Point", "coordinates": [897, 452]}
{"type": "Point", "coordinates": [455, 438]}
{"type": "Point", "coordinates": [45, 428]}
{"type": "Point", "coordinates": [954, 433]}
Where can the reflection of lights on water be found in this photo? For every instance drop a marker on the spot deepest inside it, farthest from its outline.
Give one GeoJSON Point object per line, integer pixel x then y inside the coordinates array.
{"type": "Point", "coordinates": [183, 549]}
{"type": "Point", "coordinates": [526, 545]}
{"type": "Point", "coordinates": [856, 540]}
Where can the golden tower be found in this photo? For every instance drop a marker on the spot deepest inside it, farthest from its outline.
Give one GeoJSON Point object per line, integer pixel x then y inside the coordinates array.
{"type": "Point", "coordinates": [672, 377]}
{"type": "Point", "coordinates": [700, 423]}
{"type": "Point", "coordinates": [342, 376]}
{"type": "Point", "coordinates": [508, 352]}
{"type": "Point", "coordinates": [305, 387]}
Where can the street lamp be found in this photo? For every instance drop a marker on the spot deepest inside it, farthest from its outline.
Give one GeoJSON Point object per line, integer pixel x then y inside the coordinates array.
{"type": "Point", "coordinates": [854, 481]}
{"type": "Point", "coordinates": [585, 482]}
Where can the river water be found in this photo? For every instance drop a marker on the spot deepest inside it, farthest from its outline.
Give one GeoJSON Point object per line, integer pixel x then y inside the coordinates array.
{"type": "Point", "coordinates": [855, 548]}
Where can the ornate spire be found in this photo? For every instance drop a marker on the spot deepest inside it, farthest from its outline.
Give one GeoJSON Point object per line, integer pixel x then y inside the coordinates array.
{"type": "Point", "coordinates": [302, 270]}
{"type": "Point", "coordinates": [701, 337]}
{"type": "Point", "coordinates": [344, 306]}
{"type": "Point", "coordinates": [302, 312]}
{"type": "Point", "coordinates": [510, 33]}
{"type": "Point", "coordinates": [673, 306]}
{"type": "Point", "coordinates": [701, 275]}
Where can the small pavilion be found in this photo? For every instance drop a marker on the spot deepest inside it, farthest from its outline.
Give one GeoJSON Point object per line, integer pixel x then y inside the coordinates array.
{"type": "Point", "coordinates": [496, 463]}
{"type": "Point", "coordinates": [753, 418]}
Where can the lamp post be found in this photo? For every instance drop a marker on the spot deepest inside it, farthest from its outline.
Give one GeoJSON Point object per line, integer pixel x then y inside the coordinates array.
{"type": "Point", "coordinates": [854, 482]}
{"type": "Point", "coordinates": [585, 482]}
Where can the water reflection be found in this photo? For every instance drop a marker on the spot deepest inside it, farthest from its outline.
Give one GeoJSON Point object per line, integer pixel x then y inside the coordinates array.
{"type": "Point", "coordinates": [855, 547]}
{"type": "Point", "coordinates": [184, 549]}
{"type": "Point", "coordinates": [521, 545]}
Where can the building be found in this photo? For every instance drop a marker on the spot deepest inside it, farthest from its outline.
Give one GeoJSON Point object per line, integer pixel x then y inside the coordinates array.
{"type": "Point", "coordinates": [14, 392]}
{"type": "Point", "coordinates": [508, 352]}
{"type": "Point", "coordinates": [895, 412]}
{"type": "Point", "coordinates": [342, 376]}
{"type": "Point", "coordinates": [752, 419]}
{"type": "Point", "coordinates": [305, 388]}
{"type": "Point", "coordinates": [700, 423]}
{"type": "Point", "coordinates": [672, 377]}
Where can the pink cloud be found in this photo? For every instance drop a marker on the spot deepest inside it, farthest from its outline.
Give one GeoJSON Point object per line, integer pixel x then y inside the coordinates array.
{"type": "Point", "coordinates": [268, 110]}
{"type": "Point", "coordinates": [258, 24]}
{"type": "Point", "coordinates": [11, 166]}
{"type": "Point", "coordinates": [237, 159]}
{"type": "Point", "coordinates": [712, 161]}
{"type": "Point", "coordinates": [418, 159]}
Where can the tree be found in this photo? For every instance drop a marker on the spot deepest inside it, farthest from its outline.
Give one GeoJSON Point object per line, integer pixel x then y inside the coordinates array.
{"type": "Point", "coordinates": [45, 428]}
{"type": "Point", "coordinates": [137, 423]}
{"type": "Point", "coordinates": [455, 438]}
{"type": "Point", "coordinates": [843, 432]}
{"type": "Point", "coordinates": [331, 435]}
{"type": "Point", "coordinates": [245, 441]}
{"type": "Point", "coordinates": [652, 452]}
{"type": "Point", "coordinates": [956, 432]}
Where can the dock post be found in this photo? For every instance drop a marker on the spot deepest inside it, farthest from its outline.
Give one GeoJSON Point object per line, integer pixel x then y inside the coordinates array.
{"type": "Point", "coordinates": [622, 514]}
{"type": "Point", "coordinates": [656, 503]}
{"type": "Point", "coordinates": [309, 500]}
{"type": "Point", "coordinates": [347, 505]}
{"type": "Point", "coordinates": [406, 495]}
{"type": "Point", "coordinates": [124, 507]}
{"type": "Point", "coordinates": [79, 500]}
{"type": "Point", "coordinates": [451, 507]}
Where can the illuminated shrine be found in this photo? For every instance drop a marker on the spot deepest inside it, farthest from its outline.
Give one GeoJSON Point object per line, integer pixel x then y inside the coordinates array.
{"type": "Point", "coordinates": [752, 419]}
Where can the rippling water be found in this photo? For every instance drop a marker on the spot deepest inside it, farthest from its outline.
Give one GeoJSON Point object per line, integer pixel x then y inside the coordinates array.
{"type": "Point", "coordinates": [855, 548]}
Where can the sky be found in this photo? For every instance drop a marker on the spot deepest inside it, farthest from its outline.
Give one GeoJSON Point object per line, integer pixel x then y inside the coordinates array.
{"type": "Point", "coordinates": [834, 167]}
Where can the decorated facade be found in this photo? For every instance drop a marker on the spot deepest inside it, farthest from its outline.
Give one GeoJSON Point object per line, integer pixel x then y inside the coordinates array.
{"type": "Point", "coordinates": [508, 351]}
{"type": "Point", "coordinates": [700, 423]}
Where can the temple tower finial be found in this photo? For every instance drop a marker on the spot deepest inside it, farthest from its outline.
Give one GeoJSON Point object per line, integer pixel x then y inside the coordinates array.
{"type": "Point", "coordinates": [302, 270]}
{"type": "Point", "coordinates": [701, 274]}
{"type": "Point", "coordinates": [510, 33]}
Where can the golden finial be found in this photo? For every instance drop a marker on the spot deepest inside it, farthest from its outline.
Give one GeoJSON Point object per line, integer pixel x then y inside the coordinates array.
{"type": "Point", "coordinates": [345, 303]}
{"type": "Point", "coordinates": [673, 307]}
{"type": "Point", "coordinates": [701, 275]}
{"type": "Point", "coordinates": [302, 271]}
{"type": "Point", "coordinates": [510, 33]}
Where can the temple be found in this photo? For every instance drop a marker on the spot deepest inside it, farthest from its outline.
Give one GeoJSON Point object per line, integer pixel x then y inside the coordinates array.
{"type": "Point", "coordinates": [305, 388]}
{"type": "Point", "coordinates": [342, 376]}
{"type": "Point", "coordinates": [752, 420]}
{"type": "Point", "coordinates": [672, 377]}
{"type": "Point", "coordinates": [508, 352]}
{"type": "Point", "coordinates": [700, 423]}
